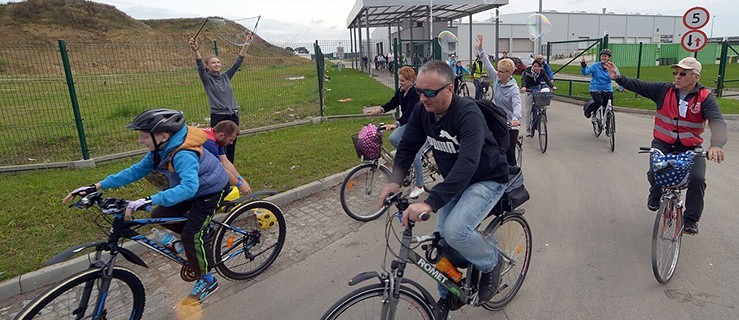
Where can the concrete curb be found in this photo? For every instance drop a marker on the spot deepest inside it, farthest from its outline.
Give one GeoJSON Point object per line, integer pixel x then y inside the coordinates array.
{"type": "Point", "coordinates": [57, 272]}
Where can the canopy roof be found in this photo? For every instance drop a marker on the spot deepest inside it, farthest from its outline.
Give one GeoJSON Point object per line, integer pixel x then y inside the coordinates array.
{"type": "Point", "coordinates": [388, 12]}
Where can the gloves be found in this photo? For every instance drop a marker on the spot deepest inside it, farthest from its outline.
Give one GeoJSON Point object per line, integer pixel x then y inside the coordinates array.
{"type": "Point", "coordinates": [583, 64]}
{"type": "Point", "coordinates": [84, 190]}
{"type": "Point", "coordinates": [140, 204]}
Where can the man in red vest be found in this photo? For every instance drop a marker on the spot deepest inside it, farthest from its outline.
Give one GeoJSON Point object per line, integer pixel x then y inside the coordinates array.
{"type": "Point", "coordinates": [683, 107]}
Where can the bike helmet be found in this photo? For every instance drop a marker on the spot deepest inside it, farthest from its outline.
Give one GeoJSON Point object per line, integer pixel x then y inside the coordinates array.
{"type": "Point", "coordinates": [606, 51]}
{"type": "Point", "coordinates": [158, 120]}
{"type": "Point", "coordinates": [369, 142]}
{"type": "Point", "coordinates": [265, 218]}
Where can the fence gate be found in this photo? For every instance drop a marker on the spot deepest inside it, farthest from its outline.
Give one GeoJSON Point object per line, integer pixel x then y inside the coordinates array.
{"type": "Point", "coordinates": [727, 49]}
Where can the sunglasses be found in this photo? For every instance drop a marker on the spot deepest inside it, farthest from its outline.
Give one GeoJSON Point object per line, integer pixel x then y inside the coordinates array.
{"type": "Point", "coordinates": [430, 93]}
{"type": "Point", "coordinates": [682, 74]}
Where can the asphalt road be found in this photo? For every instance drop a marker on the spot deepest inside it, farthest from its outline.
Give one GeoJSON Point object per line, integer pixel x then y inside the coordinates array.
{"type": "Point", "coordinates": [591, 241]}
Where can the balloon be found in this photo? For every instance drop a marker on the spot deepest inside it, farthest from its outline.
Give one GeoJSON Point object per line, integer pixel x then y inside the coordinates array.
{"type": "Point", "coordinates": [448, 41]}
{"type": "Point", "coordinates": [538, 25]}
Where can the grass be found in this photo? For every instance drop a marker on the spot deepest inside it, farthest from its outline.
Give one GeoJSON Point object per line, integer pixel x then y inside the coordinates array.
{"type": "Point", "coordinates": [350, 83]}
{"type": "Point", "coordinates": [35, 226]}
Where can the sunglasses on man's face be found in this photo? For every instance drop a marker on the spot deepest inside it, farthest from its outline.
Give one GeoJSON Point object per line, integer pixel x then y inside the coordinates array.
{"type": "Point", "coordinates": [682, 73]}
{"type": "Point", "coordinates": [430, 93]}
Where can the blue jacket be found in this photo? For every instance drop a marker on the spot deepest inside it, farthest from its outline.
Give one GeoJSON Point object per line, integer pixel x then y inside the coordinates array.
{"type": "Point", "coordinates": [194, 174]}
{"type": "Point", "coordinates": [600, 79]}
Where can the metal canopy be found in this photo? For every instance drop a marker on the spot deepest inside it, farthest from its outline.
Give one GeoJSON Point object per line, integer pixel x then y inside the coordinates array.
{"type": "Point", "coordinates": [382, 13]}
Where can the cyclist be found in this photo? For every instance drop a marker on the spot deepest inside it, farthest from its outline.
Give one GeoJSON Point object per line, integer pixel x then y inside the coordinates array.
{"type": "Point", "coordinates": [479, 75]}
{"type": "Point", "coordinates": [683, 107]}
{"type": "Point", "coordinates": [533, 78]}
{"type": "Point", "coordinates": [406, 98]}
{"type": "Point", "coordinates": [475, 171]}
{"type": "Point", "coordinates": [505, 95]}
{"type": "Point", "coordinates": [220, 136]}
{"type": "Point", "coordinates": [601, 88]}
{"type": "Point", "coordinates": [459, 72]}
{"type": "Point", "coordinates": [197, 181]}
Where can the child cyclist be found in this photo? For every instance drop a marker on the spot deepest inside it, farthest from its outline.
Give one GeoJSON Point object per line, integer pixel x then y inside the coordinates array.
{"type": "Point", "coordinates": [197, 180]}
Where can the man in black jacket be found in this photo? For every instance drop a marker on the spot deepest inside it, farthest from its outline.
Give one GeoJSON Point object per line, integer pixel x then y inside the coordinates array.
{"type": "Point", "coordinates": [474, 168]}
{"type": "Point", "coordinates": [683, 107]}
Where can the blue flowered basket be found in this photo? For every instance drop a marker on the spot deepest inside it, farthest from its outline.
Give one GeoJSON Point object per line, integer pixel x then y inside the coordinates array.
{"type": "Point", "coordinates": [671, 170]}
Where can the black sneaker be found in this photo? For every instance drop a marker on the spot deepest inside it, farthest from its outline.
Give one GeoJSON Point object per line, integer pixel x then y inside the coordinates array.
{"type": "Point", "coordinates": [653, 203]}
{"type": "Point", "coordinates": [443, 312]}
{"type": "Point", "coordinates": [489, 281]}
{"type": "Point", "coordinates": [690, 226]}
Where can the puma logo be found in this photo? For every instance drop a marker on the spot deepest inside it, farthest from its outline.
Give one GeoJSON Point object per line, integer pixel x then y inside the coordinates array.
{"type": "Point", "coordinates": [444, 134]}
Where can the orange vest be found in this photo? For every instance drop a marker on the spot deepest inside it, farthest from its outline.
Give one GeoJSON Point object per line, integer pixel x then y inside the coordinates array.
{"type": "Point", "coordinates": [193, 141]}
{"type": "Point", "coordinates": [669, 126]}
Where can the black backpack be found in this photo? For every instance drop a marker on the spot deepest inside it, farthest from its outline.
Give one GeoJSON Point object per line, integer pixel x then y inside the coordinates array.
{"type": "Point", "coordinates": [497, 122]}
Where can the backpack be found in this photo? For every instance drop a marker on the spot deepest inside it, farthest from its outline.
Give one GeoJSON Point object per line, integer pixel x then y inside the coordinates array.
{"type": "Point", "coordinates": [497, 122]}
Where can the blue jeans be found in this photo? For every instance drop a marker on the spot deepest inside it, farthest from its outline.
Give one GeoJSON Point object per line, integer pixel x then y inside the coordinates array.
{"type": "Point", "coordinates": [478, 88]}
{"type": "Point", "coordinates": [394, 139]}
{"type": "Point", "coordinates": [457, 222]}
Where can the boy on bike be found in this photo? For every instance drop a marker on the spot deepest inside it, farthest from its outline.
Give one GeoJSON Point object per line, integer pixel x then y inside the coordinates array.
{"type": "Point", "coordinates": [197, 182]}
{"type": "Point", "coordinates": [459, 72]}
{"type": "Point", "coordinates": [601, 88]}
{"type": "Point", "coordinates": [473, 166]}
{"type": "Point", "coordinates": [683, 107]}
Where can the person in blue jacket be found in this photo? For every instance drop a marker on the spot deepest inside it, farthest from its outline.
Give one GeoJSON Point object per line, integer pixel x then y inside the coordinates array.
{"type": "Point", "coordinates": [198, 182]}
{"type": "Point", "coordinates": [601, 88]}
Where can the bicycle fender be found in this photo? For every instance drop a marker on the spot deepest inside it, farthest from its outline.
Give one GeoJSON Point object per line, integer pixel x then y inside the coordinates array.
{"type": "Point", "coordinates": [132, 257]}
{"type": "Point", "coordinates": [364, 276]}
{"type": "Point", "coordinates": [66, 254]}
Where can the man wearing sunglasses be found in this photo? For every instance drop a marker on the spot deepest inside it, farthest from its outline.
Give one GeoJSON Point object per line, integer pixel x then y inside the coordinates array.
{"type": "Point", "coordinates": [683, 107]}
{"type": "Point", "coordinates": [473, 166]}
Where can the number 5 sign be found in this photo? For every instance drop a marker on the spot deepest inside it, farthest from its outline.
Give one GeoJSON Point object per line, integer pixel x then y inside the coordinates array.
{"type": "Point", "coordinates": [696, 18]}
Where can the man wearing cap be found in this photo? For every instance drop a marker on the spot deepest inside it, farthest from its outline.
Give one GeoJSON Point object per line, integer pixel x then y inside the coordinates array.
{"type": "Point", "coordinates": [683, 107]}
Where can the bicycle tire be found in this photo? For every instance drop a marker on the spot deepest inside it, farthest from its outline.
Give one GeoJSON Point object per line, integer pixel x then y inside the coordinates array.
{"type": "Point", "coordinates": [465, 90]}
{"type": "Point", "coordinates": [510, 240]}
{"type": "Point", "coordinates": [543, 132]}
{"type": "Point", "coordinates": [355, 305]}
{"type": "Point", "coordinates": [75, 284]}
{"type": "Point", "coordinates": [235, 253]}
{"type": "Point", "coordinates": [667, 233]}
{"type": "Point", "coordinates": [597, 125]}
{"type": "Point", "coordinates": [359, 202]}
{"type": "Point", "coordinates": [611, 129]}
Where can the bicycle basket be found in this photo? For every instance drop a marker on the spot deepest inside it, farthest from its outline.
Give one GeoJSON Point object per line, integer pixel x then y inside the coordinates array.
{"type": "Point", "coordinates": [671, 170]}
{"type": "Point", "coordinates": [368, 142]}
{"type": "Point", "coordinates": [542, 98]}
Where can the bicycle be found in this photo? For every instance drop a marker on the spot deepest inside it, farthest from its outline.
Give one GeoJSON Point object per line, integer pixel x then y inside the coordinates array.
{"type": "Point", "coordinates": [462, 88]}
{"type": "Point", "coordinates": [363, 184]}
{"type": "Point", "coordinates": [668, 224]}
{"type": "Point", "coordinates": [606, 119]}
{"type": "Point", "coordinates": [251, 229]}
{"type": "Point", "coordinates": [540, 101]}
{"type": "Point", "coordinates": [396, 297]}
{"type": "Point", "coordinates": [485, 88]}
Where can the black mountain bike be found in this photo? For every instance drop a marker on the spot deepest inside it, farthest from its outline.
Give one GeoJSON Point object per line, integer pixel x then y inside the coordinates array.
{"type": "Point", "coordinates": [245, 244]}
{"type": "Point", "coordinates": [396, 297]}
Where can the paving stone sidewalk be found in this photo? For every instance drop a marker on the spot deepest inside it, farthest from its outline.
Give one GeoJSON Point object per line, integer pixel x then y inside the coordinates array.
{"type": "Point", "coordinates": [313, 222]}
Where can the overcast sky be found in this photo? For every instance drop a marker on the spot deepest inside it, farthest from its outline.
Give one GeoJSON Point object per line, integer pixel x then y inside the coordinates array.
{"type": "Point", "coordinates": [308, 20]}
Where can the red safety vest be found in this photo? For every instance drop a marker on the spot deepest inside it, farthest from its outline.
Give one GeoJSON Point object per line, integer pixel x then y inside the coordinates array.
{"type": "Point", "coordinates": [669, 126]}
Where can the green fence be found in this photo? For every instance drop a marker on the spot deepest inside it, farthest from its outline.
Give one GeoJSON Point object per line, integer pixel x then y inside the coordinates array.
{"type": "Point", "coordinates": [113, 83]}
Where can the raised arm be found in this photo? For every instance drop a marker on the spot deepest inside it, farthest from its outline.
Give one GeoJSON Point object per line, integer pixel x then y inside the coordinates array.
{"type": "Point", "coordinates": [492, 72]}
{"type": "Point", "coordinates": [247, 44]}
{"type": "Point", "coordinates": [194, 46]}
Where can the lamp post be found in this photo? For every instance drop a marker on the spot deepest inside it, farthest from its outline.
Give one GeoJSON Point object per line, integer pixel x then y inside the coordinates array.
{"type": "Point", "coordinates": [713, 19]}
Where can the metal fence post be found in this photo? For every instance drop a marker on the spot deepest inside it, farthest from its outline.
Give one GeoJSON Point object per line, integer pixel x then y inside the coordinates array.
{"type": "Point", "coordinates": [638, 65]}
{"type": "Point", "coordinates": [722, 68]}
{"type": "Point", "coordinates": [319, 72]}
{"type": "Point", "coordinates": [73, 98]}
{"type": "Point", "coordinates": [215, 48]}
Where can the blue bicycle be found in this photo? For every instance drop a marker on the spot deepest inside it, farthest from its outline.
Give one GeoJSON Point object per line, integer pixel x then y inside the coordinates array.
{"type": "Point", "coordinates": [246, 243]}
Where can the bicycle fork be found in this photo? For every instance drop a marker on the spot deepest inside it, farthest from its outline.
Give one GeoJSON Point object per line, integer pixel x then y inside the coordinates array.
{"type": "Point", "coordinates": [106, 275]}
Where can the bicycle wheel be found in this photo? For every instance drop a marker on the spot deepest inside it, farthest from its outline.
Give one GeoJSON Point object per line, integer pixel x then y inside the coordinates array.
{"type": "Point", "coordinates": [597, 125]}
{"type": "Point", "coordinates": [519, 151]}
{"type": "Point", "coordinates": [513, 237]}
{"type": "Point", "coordinates": [253, 241]}
{"type": "Point", "coordinates": [666, 239]}
{"type": "Point", "coordinates": [367, 302]}
{"type": "Point", "coordinates": [76, 297]}
{"type": "Point", "coordinates": [464, 89]}
{"type": "Point", "coordinates": [611, 129]}
{"type": "Point", "coordinates": [542, 127]}
{"type": "Point", "coordinates": [431, 175]}
{"type": "Point", "coordinates": [360, 190]}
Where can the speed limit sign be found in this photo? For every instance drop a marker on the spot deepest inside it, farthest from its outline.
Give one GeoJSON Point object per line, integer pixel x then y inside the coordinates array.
{"type": "Point", "coordinates": [696, 18]}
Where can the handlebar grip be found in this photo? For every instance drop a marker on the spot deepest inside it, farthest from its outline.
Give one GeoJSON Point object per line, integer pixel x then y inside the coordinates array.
{"type": "Point", "coordinates": [424, 216]}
